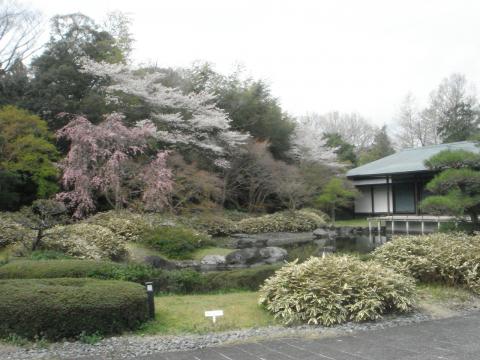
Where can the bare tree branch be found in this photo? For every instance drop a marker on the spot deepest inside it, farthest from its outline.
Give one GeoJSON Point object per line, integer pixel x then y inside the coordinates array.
{"type": "Point", "coordinates": [20, 28]}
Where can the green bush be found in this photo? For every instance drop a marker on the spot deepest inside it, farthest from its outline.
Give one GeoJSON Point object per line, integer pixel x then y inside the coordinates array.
{"type": "Point", "coordinates": [85, 241]}
{"type": "Point", "coordinates": [189, 281]}
{"type": "Point", "coordinates": [175, 242]}
{"type": "Point", "coordinates": [185, 281]}
{"type": "Point", "coordinates": [242, 279]}
{"type": "Point", "coordinates": [334, 290]}
{"type": "Point", "coordinates": [451, 258]}
{"type": "Point", "coordinates": [288, 221]}
{"type": "Point", "coordinates": [65, 308]}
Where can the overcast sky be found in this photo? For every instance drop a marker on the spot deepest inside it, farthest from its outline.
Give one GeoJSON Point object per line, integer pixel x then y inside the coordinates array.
{"type": "Point", "coordinates": [345, 55]}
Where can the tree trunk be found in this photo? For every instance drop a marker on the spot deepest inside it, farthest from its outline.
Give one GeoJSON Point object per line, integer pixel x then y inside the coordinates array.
{"type": "Point", "coordinates": [474, 219]}
{"type": "Point", "coordinates": [38, 240]}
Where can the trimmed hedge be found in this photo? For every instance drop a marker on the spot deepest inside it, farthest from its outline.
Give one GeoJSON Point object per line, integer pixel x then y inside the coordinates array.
{"type": "Point", "coordinates": [44, 269]}
{"type": "Point", "coordinates": [177, 281]}
{"type": "Point", "coordinates": [336, 289]}
{"type": "Point", "coordinates": [190, 281]}
{"type": "Point", "coordinates": [449, 258]}
{"type": "Point", "coordinates": [64, 308]}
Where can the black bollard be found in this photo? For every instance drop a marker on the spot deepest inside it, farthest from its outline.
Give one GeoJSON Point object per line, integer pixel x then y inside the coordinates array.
{"type": "Point", "coordinates": [150, 300]}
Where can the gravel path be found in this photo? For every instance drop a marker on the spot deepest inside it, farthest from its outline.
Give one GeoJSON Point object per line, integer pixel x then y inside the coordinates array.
{"type": "Point", "coordinates": [130, 347]}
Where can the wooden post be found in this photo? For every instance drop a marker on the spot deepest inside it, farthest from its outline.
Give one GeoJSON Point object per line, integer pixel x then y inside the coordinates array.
{"type": "Point", "coordinates": [370, 229]}
{"type": "Point", "coordinates": [407, 226]}
{"type": "Point", "coordinates": [423, 227]}
{"type": "Point", "coordinates": [393, 226]}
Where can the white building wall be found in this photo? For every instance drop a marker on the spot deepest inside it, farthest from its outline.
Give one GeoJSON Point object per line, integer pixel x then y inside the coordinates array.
{"type": "Point", "coordinates": [380, 200]}
{"type": "Point", "coordinates": [363, 203]}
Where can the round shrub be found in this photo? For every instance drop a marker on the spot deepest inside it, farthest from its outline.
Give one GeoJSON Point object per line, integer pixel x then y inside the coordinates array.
{"type": "Point", "coordinates": [284, 221]}
{"type": "Point", "coordinates": [125, 224]}
{"type": "Point", "coordinates": [335, 289]}
{"type": "Point", "coordinates": [64, 308]}
{"type": "Point", "coordinates": [451, 258]}
{"type": "Point", "coordinates": [85, 241]}
{"type": "Point", "coordinates": [11, 231]}
{"type": "Point", "coordinates": [175, 242]}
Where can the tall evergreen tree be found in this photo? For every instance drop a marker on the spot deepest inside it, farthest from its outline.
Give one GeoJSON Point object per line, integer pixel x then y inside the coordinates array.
{"type": "Point", "coordinates": [58, 84]}
{"type": "Point", "coordinates": [381, 147]}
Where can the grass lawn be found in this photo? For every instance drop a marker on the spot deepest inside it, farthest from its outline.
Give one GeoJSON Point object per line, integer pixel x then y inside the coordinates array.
{"type": "Point", "coordinates": [138, 252]}
{"type": "Point", "coordinates": [352, 222]}
{"type": "Point", "coordinates": [185, 313]}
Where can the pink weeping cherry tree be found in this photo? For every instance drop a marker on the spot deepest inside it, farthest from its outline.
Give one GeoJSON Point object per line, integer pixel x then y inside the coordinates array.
{"type": "Point", "coordinates": [114, 162]}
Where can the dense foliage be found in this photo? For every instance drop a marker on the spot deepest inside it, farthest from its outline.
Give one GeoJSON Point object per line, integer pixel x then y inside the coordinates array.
{"type": "Point", "coordinates": [456, 188]}
{"type": "Point", "coordinates": [64, 308]}
{"type": "Point", "coordinates": [27, 156]}
{"type": "Point", "coordinates": [86, 241]}
{"type": "Point", "coordinates": [334, 290]}
{"type": "Point", "coordinates": [176, 242]}
{"type": "Point", "coordinates": [337, 194]}
{"type": "Point", "coordinates": [286, 221]}
{"type": "Point", "coordinates": [11, 231]}
{"type": "Point", "coordinates": [450, 258]}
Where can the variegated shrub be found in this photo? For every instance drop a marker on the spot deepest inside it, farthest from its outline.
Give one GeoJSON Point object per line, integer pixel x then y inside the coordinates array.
{"type": "Point", "coordinates": [86, 241]}
{"type": "Point", "coordinates": [334, 290]}
{"type": "Point", "coordinates": [450, 258]}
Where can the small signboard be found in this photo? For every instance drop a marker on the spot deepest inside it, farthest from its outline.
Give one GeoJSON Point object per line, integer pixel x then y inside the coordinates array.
{"type": "Point", "coordinates": [214, 314]}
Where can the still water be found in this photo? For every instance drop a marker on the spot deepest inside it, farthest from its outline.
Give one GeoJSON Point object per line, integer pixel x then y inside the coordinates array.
{"type": "Point", "coordinates": [360, 243]}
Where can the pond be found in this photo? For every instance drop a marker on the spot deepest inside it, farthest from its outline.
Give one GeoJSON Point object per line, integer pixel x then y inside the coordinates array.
{"type": "Point", "coordinates": [361, 244]}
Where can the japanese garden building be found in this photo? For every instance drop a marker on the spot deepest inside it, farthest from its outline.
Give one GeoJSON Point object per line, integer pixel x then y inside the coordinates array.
{"type": "Point", "coordinates": [396, 183]}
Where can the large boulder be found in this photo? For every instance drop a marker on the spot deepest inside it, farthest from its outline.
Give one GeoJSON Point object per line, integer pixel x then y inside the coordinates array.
{"type": "Point", "coordinates": [323, 233]}
{"type": "Point", "coordinates": [255, 256]}
{"type": "Point", "coordinates": [272, 254]}
{"type": "Point", "coordinates": [213, 260]}
{"type": "Point", "coordinates": [246, 256]}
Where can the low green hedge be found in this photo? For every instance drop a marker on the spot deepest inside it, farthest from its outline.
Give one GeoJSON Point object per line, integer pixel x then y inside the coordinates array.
{"type": "Point", "coordinates": [64, 308]}
{"type": "Point", "coordinates": [41, 269]}
{"type": "Point", "coordinates": [190, 281]}
{"type": "Point", "coordinates": [177, 281]}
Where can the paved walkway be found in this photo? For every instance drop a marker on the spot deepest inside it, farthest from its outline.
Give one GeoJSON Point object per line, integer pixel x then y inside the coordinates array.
{"type": "Point", "coordinates": [452, 339]}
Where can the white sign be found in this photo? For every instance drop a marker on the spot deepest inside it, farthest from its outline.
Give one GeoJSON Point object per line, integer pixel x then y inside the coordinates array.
{"type": "Point", "coordinates": [213, 314]}
{"type": "Point", "coordinates": [149, 287]}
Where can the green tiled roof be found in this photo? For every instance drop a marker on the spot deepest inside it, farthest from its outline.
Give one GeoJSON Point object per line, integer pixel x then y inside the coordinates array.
{"type": "Point", "coordinates": [408, 160]}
